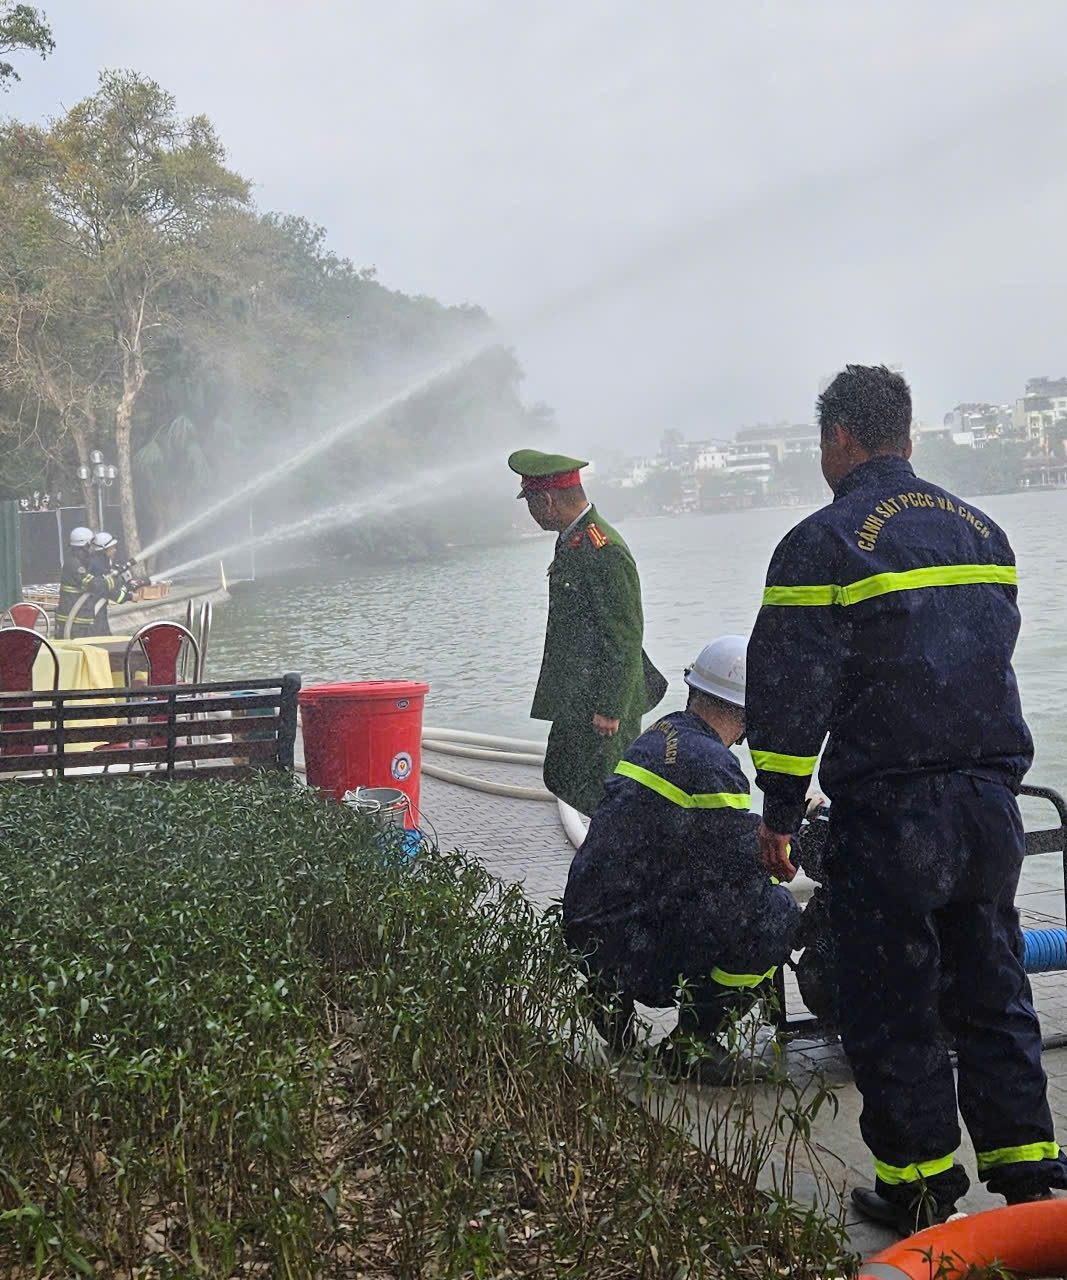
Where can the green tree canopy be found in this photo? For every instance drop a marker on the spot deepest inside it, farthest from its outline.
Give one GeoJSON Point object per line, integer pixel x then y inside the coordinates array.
{"type": "Point", "coordinates": [22, 26]}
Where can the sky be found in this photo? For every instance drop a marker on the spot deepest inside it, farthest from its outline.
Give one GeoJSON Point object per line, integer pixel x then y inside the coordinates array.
{"type": "Point", "coordinates": [683, 214]}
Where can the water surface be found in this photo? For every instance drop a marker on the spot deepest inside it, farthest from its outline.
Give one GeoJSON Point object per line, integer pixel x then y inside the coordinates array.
{"type": "Point", "coordinates": [472, 624]}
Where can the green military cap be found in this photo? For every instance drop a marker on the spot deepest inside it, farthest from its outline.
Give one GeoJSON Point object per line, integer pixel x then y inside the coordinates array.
{"type": "Point", "coordinates": [541, 471]}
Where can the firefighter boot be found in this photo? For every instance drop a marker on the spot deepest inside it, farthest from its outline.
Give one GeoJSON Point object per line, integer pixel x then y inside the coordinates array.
{"type": "Point", "coordinates": [913, 1207]}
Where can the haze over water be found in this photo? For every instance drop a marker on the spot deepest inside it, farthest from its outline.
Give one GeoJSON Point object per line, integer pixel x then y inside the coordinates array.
{"type": "Point", "coordinates": [472, 624]}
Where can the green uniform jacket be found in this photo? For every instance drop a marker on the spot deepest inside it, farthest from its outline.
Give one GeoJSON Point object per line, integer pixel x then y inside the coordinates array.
{"type": "Point", "coordinates": [593, 658]}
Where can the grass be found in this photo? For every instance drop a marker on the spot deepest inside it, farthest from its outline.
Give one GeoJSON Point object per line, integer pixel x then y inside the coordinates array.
{"type": "Point", "coordinates": [236, 1039]}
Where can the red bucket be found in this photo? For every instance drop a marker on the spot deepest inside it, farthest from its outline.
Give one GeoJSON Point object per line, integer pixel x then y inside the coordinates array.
{"type": "Point", "coordinates": [366, 733]}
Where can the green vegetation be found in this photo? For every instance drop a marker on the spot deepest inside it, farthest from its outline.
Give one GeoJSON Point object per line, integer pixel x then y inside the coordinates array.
{"type": "Point", "coordinates": [237, 1039]}
{"type": "Point", "coordinates": [22, 27]}
{"type": "Point", "coordinates": [997, 467]}
{"type": "Point", "coordinates": [149, 310]}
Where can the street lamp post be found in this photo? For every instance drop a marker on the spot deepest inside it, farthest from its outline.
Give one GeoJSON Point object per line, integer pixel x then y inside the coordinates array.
{"type": "Point", "coordinates": [101, 475]}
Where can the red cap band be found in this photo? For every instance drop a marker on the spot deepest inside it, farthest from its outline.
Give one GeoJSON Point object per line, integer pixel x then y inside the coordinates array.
{"type": "Point", "coordinates": [564, 480]}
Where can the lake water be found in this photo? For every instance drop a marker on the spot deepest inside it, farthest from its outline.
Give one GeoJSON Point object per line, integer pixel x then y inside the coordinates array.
{"type": "Point", "coordinates": [472, 624]}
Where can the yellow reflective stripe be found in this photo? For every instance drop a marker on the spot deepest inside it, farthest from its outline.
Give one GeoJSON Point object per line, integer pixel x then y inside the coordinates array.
{"type": "Point", "coordinates": [893, 1175]}
{"type": "Point", "coordinates": [883, 584]}
{"type": "Point", "coordinates": [725, 979]}
{"type": "Point", "coordinates": [801, 595]}
{"type": "Point", "coordinates": [942, 575]}
{"type": "Point", "coordinates": [702, 800]}
{"type": "Point", "coordinates": [1018, 1155]}
{"type": "Point", "coordinates": [776, 762]}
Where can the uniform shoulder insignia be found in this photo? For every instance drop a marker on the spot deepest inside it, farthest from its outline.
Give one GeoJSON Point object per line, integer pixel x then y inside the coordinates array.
{"type": "Point", "coordinates": [597, 536]}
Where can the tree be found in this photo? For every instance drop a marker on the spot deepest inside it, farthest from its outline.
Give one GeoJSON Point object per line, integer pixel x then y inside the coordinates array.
{"type": "Point", "coordinates": [997, 467]}
{"type": "Point", "coordinates": [22, 27]}
{"type": "Point", "coordinates": [129, 189]}
{"type": "Point", "coordinates": [146, 308]}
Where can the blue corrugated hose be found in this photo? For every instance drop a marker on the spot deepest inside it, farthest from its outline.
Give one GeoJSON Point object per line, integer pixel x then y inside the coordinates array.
{"type": "Point", "coordinates": [1046, 950]}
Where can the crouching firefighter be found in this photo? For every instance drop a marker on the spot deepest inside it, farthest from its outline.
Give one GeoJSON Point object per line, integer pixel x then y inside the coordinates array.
{"type": "Point", "coordinates": [668, 890]}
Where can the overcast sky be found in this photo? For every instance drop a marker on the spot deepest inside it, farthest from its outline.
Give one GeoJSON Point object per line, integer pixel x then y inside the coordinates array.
{"type": "Point", "coordinates": [685, 213]}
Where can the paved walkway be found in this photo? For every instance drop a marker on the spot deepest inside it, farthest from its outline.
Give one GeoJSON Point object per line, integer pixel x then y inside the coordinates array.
{"type": "Point", "coordinates": [523, 841]}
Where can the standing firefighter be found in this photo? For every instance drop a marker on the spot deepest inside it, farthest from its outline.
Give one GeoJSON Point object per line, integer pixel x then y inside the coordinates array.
{"type": "Point", "coordinates": [109, 583]}
{"type": "Point", "coordinates": [889, 619]}
{"type": "Point", "coordinates": [73, 615]}
{"type": "Point", "coordinates": [595, 682]}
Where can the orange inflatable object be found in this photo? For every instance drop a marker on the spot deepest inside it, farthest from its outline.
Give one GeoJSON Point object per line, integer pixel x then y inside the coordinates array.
{"type": "Point", "coordinates": [1027, 1239]}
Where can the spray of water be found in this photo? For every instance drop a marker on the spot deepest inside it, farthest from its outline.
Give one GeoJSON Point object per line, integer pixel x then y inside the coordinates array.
{"type": "Point", "coordinates": [677, 248]}
{"type": "Point", "coordinates": [457, 361]}
{"type": "Point", "coordinates": [415, 490]}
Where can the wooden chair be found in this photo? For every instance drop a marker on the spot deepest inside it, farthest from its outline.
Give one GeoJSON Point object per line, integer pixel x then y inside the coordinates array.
{"type": "Point", "coordinates": [25, 614]}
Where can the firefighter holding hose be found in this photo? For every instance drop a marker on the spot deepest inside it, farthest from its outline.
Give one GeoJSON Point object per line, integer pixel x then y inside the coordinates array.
{"type": "Point", "coordinates": [889, 621]}
{"type": "Point", "coordinates": [668, 890]}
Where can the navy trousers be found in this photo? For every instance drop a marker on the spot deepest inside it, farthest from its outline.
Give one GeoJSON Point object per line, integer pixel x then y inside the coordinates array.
{"type": "Point", "coordinates": [719, 981]}
{"type": "Point", "coordinates": [924, 872]}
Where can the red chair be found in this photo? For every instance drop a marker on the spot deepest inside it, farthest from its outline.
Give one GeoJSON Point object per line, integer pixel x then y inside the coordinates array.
{"type": "Point", "coordinates": [25, 614]}
{"type": "Point", "coordinates": [19, 647]}
{"type": "Point", "coordinates": [162, 644]}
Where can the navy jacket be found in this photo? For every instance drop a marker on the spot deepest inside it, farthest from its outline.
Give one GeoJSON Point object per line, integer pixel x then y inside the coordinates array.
{"type": "Point", "coordinates": [87, 583]}
{"type": "Point", "coordinates": [888, 621]}
{"type": "Point", "coordinates": [668, 876]}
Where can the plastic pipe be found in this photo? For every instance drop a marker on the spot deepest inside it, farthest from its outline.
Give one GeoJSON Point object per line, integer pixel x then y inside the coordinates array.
{"type": "Point", "coordinates": [483, 740]}
{"type": "Point", "coordinates": [1045, 950]}
{"type": "Point", "coordinates": [1026, 1239]}
{"type": "Point", "coordinates": [573, 823]}
{"type": "Point", "coordinates": [481, 753]}
{"type": "Point", "coordinates": [483, 784]}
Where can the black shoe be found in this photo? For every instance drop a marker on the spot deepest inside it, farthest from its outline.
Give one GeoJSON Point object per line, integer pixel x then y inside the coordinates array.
{"type": "Point", "coordinates": [1024, 1196]}
{"type": "Point", "coordinates": [707, 1062]}
{"type": "Point", "coordinates": [905, 1218]}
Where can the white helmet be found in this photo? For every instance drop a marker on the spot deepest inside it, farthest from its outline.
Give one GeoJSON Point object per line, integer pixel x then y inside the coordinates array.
{"type": "Point", "coordinates": [81, 536]}
{"type": "Point", "coordinates": [104, 541]}
{"type": "Point", "coordinates": [719, 669]}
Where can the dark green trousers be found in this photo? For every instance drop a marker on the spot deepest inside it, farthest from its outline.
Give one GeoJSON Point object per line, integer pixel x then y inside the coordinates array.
{"type": "Point", "coordinates": [578, 760]}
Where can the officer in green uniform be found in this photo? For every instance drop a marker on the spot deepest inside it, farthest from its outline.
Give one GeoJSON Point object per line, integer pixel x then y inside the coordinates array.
{"type": "Point", "coordinates": [596, 681]}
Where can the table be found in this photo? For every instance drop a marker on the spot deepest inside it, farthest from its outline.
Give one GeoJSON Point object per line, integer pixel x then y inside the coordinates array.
{"type": "Point", "coordinates": [82, 665]}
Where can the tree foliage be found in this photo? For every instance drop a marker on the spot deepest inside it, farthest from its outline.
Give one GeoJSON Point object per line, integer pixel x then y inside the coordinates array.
{"type": "Point", "coordinates": [148, 309]}
{"type": "Point", "coordinates": [997, 467]}
{"type": "Point", "coordinates": [22, 26]}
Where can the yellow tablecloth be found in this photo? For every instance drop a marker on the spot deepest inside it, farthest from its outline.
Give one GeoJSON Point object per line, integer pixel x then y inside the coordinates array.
{"type": "Point", "coordinates": [115, 648]}
{"type": "Point", "coordinates": [82, 665]}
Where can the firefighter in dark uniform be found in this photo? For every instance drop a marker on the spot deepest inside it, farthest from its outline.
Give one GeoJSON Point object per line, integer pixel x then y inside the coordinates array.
{"type": "Point", "coordinates": [596, 681]}
{"type": "Point", "coordinates": [668, 890]}
{"type": "Point", "coordinates": [75, 585]}
{"type": "Point", "coordinates": [111, 584]}
{"type": "Point", "coordinates": [889, 620]}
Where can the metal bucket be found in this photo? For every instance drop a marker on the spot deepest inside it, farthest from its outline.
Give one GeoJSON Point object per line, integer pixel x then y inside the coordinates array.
{"type": "Point", "coordinates": [389, 806]}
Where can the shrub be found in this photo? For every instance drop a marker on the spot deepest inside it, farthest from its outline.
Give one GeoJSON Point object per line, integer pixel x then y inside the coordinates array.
{"type": "Point", "coordinates": [236, 1037]}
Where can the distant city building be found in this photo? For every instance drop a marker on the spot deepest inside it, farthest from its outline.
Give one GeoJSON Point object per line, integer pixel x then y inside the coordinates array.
{"type": "Point", "coordinates": [975, 423]}
{"type": "Point", "coordinates": [1040, 409]}
{"type": "Point", "coordinates": [782, 440]}
{"type": "Point", "coordinates": [711, 457]}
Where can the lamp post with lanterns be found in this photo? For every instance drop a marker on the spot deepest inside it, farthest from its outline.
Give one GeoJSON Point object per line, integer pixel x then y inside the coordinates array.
{"type": "Point", "coordinates": [101, 475]}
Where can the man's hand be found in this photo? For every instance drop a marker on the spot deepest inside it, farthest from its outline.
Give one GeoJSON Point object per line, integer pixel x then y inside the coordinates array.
{"type": "Point", "coordinates": [774, 850]}
{"type": "Point", "coordinates": [605, 726]}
